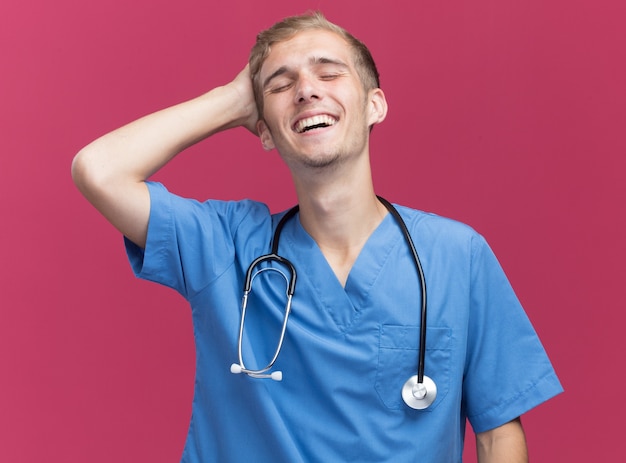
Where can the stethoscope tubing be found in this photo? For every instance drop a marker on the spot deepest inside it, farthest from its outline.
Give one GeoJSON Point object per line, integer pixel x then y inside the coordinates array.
{"type": "Point", "coordinates": [418, 392]}
{"type": "Point", "coordinates": [420, 272]}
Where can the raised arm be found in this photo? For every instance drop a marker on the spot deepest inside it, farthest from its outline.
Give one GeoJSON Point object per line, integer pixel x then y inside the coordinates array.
{"type": "Point", "coordinates": [112, 170]}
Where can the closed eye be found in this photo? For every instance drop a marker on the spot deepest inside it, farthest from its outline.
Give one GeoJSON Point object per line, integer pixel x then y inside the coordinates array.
{"type": "Point", "coordinates": [330, 69]}
{"type": "Point", "coordinates": [279, 85]}
{"type": "Point", "coordinates": [280, 88]}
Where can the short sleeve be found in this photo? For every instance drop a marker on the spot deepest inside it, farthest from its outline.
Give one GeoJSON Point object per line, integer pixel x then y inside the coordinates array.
{"type": "Point", "coordinates": [190, 243]}
{"type": "Point", "coordinates": [507, 371]}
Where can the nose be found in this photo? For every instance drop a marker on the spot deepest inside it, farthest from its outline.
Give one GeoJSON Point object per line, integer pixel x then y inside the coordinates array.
{"type": "Point", "coordinates": [307, 89]}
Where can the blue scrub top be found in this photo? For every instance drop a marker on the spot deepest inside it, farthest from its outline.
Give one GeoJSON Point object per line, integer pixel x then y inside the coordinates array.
{"type": "Point", "coordinates": [347, 351]}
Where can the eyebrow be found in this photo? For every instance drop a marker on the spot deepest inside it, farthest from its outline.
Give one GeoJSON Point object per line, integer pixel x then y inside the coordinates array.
{"type": "Point", "coordinates": [314, 61]}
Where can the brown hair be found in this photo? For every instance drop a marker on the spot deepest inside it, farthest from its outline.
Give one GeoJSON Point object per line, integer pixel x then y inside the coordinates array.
{"type": "Point", "coordinates": [287, 28]}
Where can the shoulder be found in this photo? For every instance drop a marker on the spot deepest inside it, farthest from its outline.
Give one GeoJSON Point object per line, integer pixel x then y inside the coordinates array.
{"type": "Point", "coordinates": [444, 238]}
{"type": "Point", "coordinates": [436, 226]}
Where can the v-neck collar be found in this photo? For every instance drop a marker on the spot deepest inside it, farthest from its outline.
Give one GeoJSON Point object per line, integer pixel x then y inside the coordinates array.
{"type": "Point", "coordinates": [342, 304]}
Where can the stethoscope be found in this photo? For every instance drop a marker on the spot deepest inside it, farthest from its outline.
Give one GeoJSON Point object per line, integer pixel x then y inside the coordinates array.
{"type": "Point", "coordinates": [418, 392]}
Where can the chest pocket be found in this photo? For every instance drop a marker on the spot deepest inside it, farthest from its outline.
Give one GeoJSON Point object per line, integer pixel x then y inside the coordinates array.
{"type": "Point", "coordinates": [397, 362]}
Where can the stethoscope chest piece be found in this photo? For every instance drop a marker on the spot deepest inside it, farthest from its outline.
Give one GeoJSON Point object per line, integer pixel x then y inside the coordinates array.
{"type": "Point", "coordinates": [419, 395]}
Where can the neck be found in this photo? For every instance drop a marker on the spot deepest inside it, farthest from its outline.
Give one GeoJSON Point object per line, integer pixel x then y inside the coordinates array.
{"type": "Point", "coordinates": [340, 211]}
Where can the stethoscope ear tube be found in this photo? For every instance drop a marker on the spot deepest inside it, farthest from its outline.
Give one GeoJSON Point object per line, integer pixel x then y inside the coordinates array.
{"type": "Point", "coordinates": [291, 285]}
{"type": "Point", "coordinates": [251, 273]}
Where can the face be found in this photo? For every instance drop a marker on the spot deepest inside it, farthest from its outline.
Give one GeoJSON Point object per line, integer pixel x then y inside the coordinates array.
{"type": "Point", "coordinates": [316, 111]}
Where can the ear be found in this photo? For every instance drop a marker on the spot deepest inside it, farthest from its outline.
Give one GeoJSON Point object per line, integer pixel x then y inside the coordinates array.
{"type": "Point", "coordinates": [265, 135]}
{"type": "Point", "coordinates": [377, 106]}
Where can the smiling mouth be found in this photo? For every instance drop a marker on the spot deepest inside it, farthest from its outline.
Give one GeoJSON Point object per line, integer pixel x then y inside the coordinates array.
{"type": "Point", "coordinates": [314, 122]}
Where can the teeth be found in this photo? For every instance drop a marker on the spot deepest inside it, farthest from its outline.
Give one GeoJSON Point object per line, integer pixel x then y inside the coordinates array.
{"type": "Point", "coordinates": [309, 123]}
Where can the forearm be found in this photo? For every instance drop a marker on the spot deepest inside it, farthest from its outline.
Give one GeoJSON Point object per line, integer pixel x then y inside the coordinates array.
{"type": "Point", "coordinates": [137, 150]}
{"type": "Point", "coordinates": [506, 444]}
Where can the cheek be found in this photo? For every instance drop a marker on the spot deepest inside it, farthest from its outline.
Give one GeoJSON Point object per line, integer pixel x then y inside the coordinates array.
{"type": "Point", "coordinates": [271, 112]}
{"type": "Point", "coordinates": [276, 119]}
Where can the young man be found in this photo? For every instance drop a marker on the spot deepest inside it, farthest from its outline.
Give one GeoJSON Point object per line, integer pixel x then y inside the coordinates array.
{"type": "Point", "coordinates": [353, 338]}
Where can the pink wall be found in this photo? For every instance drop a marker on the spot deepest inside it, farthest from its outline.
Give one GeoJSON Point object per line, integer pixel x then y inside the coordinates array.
{"type": "Point", "coordinates": [509, 116]}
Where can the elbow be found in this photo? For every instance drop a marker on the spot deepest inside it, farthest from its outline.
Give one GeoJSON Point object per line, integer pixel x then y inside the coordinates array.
{"type": "Point", "coordinates": [81, 170]}
{"type": "Point", "coordinates": [89, 172]}
{"type": "Point", "coordinates": [77, 168]}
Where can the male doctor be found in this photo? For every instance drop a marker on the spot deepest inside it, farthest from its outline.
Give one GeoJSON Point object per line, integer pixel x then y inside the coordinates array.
{"type": "Point", "coordinates": [311, 92]}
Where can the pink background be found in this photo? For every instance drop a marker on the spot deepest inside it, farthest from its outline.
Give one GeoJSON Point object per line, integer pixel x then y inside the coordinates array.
{"type": "Point", "coordinates": [509, 116]}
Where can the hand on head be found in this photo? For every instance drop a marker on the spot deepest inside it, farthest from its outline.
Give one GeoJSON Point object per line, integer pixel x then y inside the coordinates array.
{"type": "Point", "coordinates": [243, 85]}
